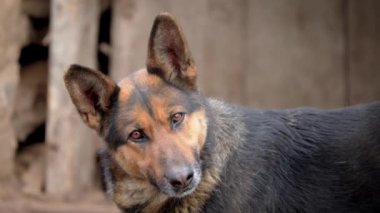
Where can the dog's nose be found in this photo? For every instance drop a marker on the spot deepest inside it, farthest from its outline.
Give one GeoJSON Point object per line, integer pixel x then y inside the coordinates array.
{"type": "Point", "coordinates": [180, 178]}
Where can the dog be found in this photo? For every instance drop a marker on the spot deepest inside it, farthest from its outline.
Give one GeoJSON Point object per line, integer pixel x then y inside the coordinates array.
{"type": "Point", "coordinates": [170, 149]}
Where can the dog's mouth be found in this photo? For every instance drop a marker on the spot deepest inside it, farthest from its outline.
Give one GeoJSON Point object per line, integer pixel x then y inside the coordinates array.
{"type": "Point", "coordinates": [178, 190]}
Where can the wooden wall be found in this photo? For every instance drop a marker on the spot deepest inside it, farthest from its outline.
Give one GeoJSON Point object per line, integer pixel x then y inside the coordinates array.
{"type": "Point", "coordinates": [266, 53]}
{"type": "Point", "coordinates": [363, 51]}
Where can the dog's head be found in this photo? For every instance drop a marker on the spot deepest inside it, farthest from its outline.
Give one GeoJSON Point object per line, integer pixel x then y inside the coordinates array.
{"type": "Point", "coordinates": [153, 121]}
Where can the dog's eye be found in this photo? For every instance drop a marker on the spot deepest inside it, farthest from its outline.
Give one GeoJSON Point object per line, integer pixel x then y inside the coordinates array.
{"type": "Point", "coordinates": [136, 135]}
{"type": "Point", "coordinates": [177, 118]}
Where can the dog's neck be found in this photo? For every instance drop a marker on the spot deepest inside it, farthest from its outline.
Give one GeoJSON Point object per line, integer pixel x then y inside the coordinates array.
{"type": "Point", "coordinates": [134, 195]}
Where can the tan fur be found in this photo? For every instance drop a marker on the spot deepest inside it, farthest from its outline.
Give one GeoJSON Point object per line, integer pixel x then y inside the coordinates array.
{"type": "Point", "coordinates": [141, 77]}
{"type": "Point", "coordinates": [92, 120]}
{"type": "Point", "coordinates": [132, 191]}
{"type": "Point", "coordinates": [127, 90]}
{"type": "Point", "coordinates": [196, 132]}
{"type": "Point", "coordinates": [192, 203]}
{"type": "Point", "coordinates": [192, 135]}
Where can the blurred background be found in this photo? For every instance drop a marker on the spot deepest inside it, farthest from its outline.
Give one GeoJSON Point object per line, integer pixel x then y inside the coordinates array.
{"type": "Point", "coordinates": [259, 53]}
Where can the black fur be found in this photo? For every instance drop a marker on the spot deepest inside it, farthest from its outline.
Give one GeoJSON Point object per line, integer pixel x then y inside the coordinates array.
{"type": "Point", "coordinates": [302, 160]}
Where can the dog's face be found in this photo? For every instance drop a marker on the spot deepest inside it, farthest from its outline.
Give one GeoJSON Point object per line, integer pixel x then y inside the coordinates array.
{"type": "Point", "coordinates": [153, 120]}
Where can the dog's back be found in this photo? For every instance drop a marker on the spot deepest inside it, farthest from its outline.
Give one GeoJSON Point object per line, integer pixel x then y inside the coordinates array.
{"type": "Point", "coordinates": [300, 160]}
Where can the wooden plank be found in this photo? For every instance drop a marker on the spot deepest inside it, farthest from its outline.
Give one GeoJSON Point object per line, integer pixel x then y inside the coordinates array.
{"type": "Point", "coordinates": [71, 147]}
{"type": "Point", "coordinates": [223, 46]}
{"type": "Point", "coordinates": [295, 54]}
{"type": "Point", "coordinates": [9, 77]}
{"type": "Point", "coordinates": [364, 51]}
{"type": "Point", "coordinates": [131, 23]}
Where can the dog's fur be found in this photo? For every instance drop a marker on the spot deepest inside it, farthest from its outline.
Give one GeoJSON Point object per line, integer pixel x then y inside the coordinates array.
{"type": "Point", "coordinates": [172, 150]}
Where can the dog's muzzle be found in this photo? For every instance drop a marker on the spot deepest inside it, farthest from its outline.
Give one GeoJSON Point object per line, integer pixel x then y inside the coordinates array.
{"type": "Point", "coordinates": [179, 181]}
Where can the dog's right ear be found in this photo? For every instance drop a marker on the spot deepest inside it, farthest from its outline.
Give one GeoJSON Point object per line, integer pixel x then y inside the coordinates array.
{"type": "Point", "coordinates": [91, 92]}
{"type": "Point", "coordinates": [168, 54]}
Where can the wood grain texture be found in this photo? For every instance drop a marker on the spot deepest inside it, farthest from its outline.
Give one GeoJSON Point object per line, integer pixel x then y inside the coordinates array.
{"type": "Point", "coordinates": [295, 54]}
{"type": "Point", "coordinates": [364, 51]}
{"type": "Point", "coordinates": [223, 50]}
{"type": "Point", "coordinates": [71, 145]}
{"type": "Point", "coordinates": [9, 77]}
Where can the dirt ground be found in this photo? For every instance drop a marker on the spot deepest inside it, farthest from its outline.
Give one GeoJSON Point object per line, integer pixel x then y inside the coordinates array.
{"type": "Point", "coordinates": [24, 192]}
{"type": "Point", "coordinates": [13, 200]}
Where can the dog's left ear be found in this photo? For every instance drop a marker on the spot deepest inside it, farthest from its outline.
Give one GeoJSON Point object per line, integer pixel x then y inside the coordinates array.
{"type": "Point", "coordinates": [168, 54]}
{"type": "Point", "coordinates": [91, 92]}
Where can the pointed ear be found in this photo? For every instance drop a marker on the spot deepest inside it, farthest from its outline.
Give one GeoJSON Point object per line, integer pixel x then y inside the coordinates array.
{"type": "Point", "coordinates": [168, 53]}
{"type": "Point", "coordinates": [91, 92]}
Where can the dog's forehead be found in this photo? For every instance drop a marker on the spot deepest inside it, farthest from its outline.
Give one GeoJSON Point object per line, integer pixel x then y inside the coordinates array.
{"type": "Point", "coordinates": [140, 77]}
{"type": "Point", "coordinates": [137, 80]}
{"type": "Point", "coordinates": [146, 92]}
{"type": "Point", "coordinates": [146, 89]}
{"type": "Point", "coordinates": [143, 78]}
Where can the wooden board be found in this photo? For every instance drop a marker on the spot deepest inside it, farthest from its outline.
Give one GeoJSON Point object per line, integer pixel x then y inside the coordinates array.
{"type": "Point", "coordinates": [71, 145]}
{"type": "Point", "coordinates": [223, 50]}
{"type": "Point", "coordinates": [9, 77]}
{"type": "Point", "coordinates": [295, 54]}
{"type": "Point", "coordinates": [264, 53]}
{"type": "Point", "coordinates": [364, 51]}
